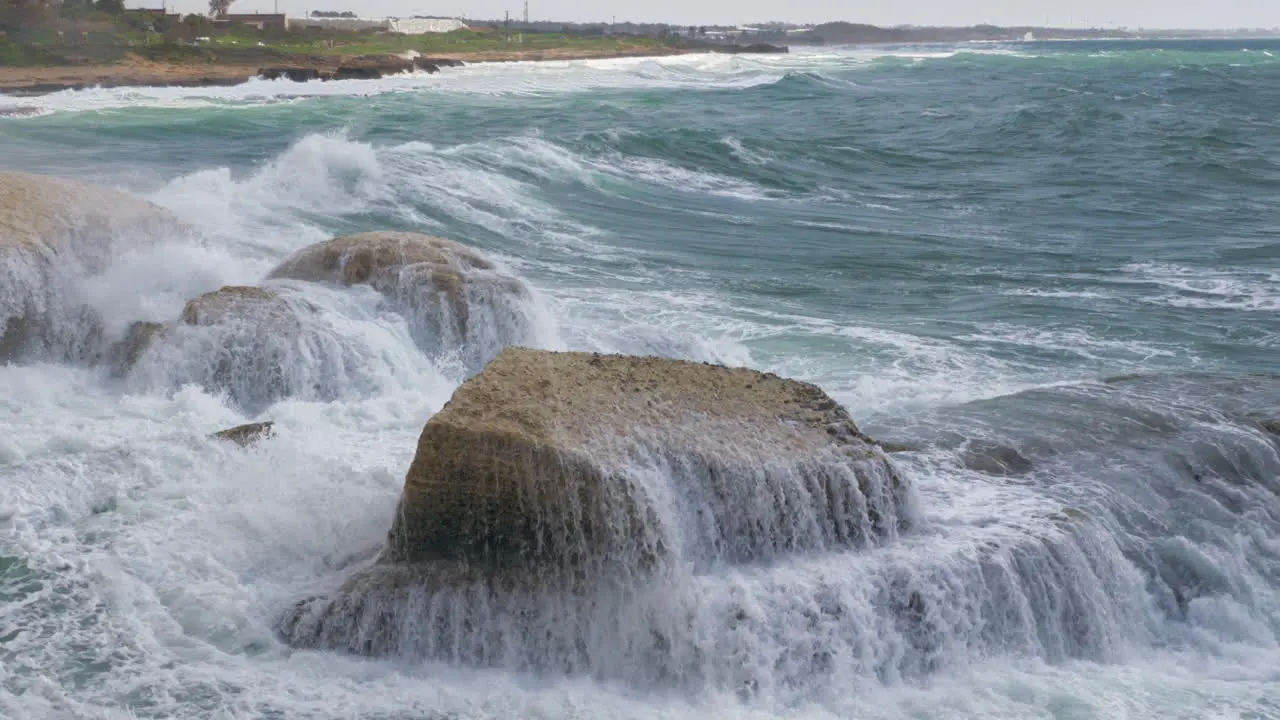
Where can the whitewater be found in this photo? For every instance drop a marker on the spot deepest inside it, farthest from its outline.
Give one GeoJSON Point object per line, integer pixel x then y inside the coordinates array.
{"type": "Point", "coordinates": [1050, 270]}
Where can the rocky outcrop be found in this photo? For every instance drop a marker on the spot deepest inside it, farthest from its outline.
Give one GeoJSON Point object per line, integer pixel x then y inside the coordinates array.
{"type": "Point", "coordinates": [456, 300]}
{"type": "Point", "coordinates": [53, 234]}
{"type": "Point", "coordinates": [560, 488]}
{"type": "Point", "coordinates": [246, 435]}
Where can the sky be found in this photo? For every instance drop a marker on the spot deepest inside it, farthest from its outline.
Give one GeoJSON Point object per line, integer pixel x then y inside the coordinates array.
{"type": "Point", "coordinates": [1197, 14]}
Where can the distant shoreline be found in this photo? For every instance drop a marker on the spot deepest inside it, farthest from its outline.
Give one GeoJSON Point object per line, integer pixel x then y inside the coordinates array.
{"type": "Point", "coordinates": [138, 72]}
{"type": "Point", "coordinates": [135, 71]}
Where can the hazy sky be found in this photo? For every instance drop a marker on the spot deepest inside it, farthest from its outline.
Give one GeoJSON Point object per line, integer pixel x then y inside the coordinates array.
{"type": "Point", "coordinates": [1103, 13]}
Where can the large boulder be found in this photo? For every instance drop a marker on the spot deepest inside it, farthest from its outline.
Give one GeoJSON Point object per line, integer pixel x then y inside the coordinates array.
{"type": "Point", "coordinates": [573, 458]}
{"type": "Point", "coordinates": [458, 303]}
{"type": "Point", "coordinates": [572, 491]}
{"type": "Point", "coordinates": [53, 234]}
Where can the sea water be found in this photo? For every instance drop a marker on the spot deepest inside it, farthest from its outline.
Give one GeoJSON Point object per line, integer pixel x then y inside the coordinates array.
{"type": "Point", "coordinates": [1051, 269]}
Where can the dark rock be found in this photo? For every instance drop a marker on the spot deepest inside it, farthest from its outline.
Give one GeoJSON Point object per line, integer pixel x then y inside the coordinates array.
{"type": "Point", "coordinates": [752, 49]}
{"type": "Point", "coordinates": [356, 73]}
{"type": "Point", "coordinates": [246, 435]}
{"type": "Point", "coordinates": [892, 447]}
{"type": "Point", "coordinates": [296, 74]}
{"type": "Point", "coordinates": [1269, 426]}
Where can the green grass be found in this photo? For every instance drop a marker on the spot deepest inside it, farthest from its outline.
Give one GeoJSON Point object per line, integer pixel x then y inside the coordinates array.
{"type": "Point", "coordinates": [248, 45]}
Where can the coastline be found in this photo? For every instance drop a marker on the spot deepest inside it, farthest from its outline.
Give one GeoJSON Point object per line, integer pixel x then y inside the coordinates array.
{"type": "Point", "coordinates": [135, 71]}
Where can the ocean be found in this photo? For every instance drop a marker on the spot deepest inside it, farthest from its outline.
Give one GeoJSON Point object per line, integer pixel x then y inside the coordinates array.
{"type": "Point", "coordinates": [1051, 269]}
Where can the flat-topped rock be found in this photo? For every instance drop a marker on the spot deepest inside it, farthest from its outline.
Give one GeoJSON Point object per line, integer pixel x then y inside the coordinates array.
{"type": "Point", "coordinates": [578, 459]}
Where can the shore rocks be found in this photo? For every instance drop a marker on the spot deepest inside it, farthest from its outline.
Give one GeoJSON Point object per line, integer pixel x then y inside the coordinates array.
{"type": "Point", "coordinates": [457, 301]}
{"type": "Point", "coordinates": [296, 74]}
{"type": "Point", "coordinates": [369, 67]}
{"type": "Point", "coordinates": [53, 234]}
{"type": "Point", "coordinates": [373, 67]}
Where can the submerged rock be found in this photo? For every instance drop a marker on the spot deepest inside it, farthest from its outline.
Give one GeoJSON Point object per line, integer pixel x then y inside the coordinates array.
{"type": "Point", "coordinates": [1269, 426]}
{"type": "Point", "coordinates": [247, 435]}
{"type": "Point", "coordinates": [244, 340]}
{"type": "Point", "coordinates": [456, 300]}
{"type": "Point", "coordinates": [54, 233]}
{"type": "Point", "coordinates": [556, 485]}
{"type": "Point", "coordinates": [996, 460]}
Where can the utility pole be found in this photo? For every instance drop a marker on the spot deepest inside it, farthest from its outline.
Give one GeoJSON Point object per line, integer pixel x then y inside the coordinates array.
{"type": "Point", "coordinates": [506, 25]}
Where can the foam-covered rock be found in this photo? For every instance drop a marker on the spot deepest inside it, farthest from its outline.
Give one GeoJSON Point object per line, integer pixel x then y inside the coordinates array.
{"type": "Point", "coordinates": [53, 234]}
{"type": "Point", "coordinates": [565, 485]}
{"type": "Point", "coordinates": [456, 301]}
{"type": "Point", "coordinates": [260, 345]}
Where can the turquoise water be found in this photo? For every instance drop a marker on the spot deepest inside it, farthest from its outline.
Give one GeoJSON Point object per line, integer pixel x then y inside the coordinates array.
{"type": "Point", "coordinates": [1067, 254]}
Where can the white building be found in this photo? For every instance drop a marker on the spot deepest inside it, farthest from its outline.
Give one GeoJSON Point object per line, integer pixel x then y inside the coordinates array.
{"type": "Point", "coordinates": [422, 26]}
{"type": "Point", "coordinates": [407, 26]}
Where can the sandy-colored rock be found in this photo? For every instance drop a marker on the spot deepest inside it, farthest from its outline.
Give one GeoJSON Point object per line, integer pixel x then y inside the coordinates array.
{"type": "Point", "coordinates": [235, 302]}
{"type": "Point", "coordinates": [247, 435]}
{"type": "Point", "coordinates": [57, 215]}
{"type": "Point", "coordinates": [575, 459]}
{"type": "Point", "coordinates": [53, 234]}
{"type": "Point", "coordinates": [456, 300]}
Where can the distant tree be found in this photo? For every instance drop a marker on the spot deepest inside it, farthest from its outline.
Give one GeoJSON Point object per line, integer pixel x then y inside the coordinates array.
{"type": "Point", "coordinates": [23, 14]}
{"type": "Point", "coordinates": [110, 7]}
{"type": "Point", "coordinates": [74, 9]}
{"type": "Point", "coordinates": [219, 8]}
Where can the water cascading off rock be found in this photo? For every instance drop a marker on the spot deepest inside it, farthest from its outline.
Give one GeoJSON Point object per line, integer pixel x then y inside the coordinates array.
{"type": "Point", "coordinates": [55, 233]}
{"type": "Point", "coordinates": [457, 301]}
{"type": "Point", "coordinates": [557, 493]}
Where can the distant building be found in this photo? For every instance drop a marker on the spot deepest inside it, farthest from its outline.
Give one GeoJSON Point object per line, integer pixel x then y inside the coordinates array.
{"type": "Point", "coordinates": [406, 26]}
{"type": "Point", "coordinates": [153, 14]}
{"type": "Point", "coordinates": [424, 25]}
{"type": "Point", "coordinates": [262, 21]}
